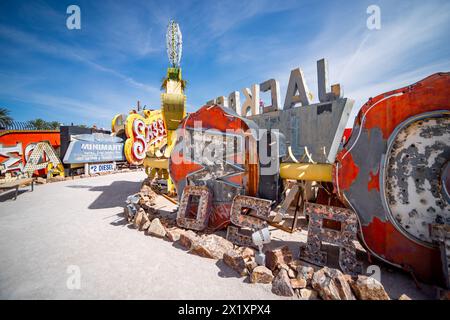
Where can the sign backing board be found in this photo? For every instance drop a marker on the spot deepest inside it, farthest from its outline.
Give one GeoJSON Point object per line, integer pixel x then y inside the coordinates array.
{"type": "Point", "coordinates": [93, 152]}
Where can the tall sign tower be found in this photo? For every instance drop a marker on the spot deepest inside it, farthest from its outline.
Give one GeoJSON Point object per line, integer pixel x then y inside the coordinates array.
{"type": "Point", "coordinates": [173, 100]}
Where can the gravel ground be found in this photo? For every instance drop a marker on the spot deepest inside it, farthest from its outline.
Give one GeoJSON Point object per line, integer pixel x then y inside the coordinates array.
{"type": "Point", "coordinates": [49, 236]}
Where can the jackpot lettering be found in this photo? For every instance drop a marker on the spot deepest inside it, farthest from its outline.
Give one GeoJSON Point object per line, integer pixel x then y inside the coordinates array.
{"type": "Point", "coordinates": [297, 93]}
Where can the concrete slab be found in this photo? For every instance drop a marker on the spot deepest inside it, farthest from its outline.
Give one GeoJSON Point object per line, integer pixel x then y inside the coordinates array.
{"type": "Point", "coordinates": [77, 223]}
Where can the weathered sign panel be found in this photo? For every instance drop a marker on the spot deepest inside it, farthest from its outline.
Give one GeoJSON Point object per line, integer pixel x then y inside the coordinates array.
{"type": "Point", "coordinates": [93, 152]}
{"type": "Point", "coordinates": [317, 129]}
{"type": "Point", "coordinates": [312, 130]}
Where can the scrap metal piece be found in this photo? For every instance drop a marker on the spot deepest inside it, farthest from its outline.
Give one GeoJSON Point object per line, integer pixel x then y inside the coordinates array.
{"type": "Point", "coordinates": [286, 214]}
{"type": "Point", "coordinates": [291, 195]}
{"type": "Point", "coordinates": [130, 211]}
{"type": "Point", "coordinates": [133, 199]}
{"type": "Point", "coordinates": [317, 234]}
{"type": "Point", "coordinates": [259, 238]}
{"type": "Point", "coordinates": [203, 208]}
{"type": "Point", "coordinates": [132, 206]}
{"type": "Point", "coordinates": [440, 233]}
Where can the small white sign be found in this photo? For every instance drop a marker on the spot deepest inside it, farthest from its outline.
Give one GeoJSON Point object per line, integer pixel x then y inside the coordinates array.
{"type": "Point", "coordinates": [101, 167]}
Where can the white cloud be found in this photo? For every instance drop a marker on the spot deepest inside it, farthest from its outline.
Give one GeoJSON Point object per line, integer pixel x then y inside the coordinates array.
{"type": "Point", "coordinates": [54, 48]}
{"type": "Point", "coordinates": [409, 47]}
{"type": "Point", "coordinates": [412, 44]}
{"type": "Point", "coordinates": [98, 98]}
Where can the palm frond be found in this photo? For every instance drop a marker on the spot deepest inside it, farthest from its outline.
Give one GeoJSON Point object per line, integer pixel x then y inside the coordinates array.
{"type": "Point", "coordinates": [5, 119]}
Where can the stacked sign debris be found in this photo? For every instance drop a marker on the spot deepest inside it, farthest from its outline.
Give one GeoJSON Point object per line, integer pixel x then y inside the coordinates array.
{"type": "Point", "coordinates": [288, 276]}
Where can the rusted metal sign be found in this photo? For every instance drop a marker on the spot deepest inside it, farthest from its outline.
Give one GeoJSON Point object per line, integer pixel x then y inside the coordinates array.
{"type": "Point", "coordinates": [392, 173]}
{"type": "Point", "coordinates": [217, 154]}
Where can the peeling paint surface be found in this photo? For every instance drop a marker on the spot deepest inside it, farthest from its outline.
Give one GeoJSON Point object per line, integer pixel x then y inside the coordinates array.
{"type": "Point", "coordinates": [413, 187]}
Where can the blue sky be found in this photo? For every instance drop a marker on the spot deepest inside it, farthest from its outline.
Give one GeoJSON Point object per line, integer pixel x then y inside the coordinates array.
{"type": "Point", "coordinates": [118, 57]}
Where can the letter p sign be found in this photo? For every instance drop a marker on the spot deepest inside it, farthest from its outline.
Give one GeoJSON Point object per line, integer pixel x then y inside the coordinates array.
{"type": "Point", "coordinates": [74, 20]}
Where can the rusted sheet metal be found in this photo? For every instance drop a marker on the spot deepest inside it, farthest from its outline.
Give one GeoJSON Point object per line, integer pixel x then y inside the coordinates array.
{"type": "Point", "coordinates": [233, 172]}
{"type": "Point", "coordinates": [344, 237]}
{"type": "Point", "coordinates": [399, 135]}
{"type": "Point", "coordinates": [195, 207]}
